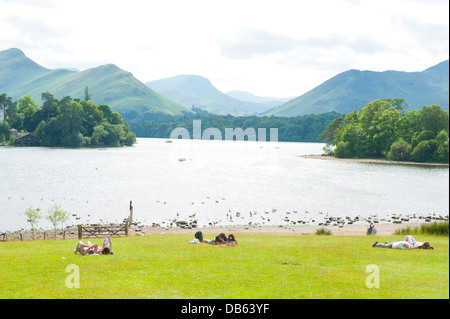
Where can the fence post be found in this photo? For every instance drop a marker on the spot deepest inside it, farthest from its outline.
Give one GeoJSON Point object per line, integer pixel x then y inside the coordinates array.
{"type": "Point", "coordinates": [130, 219]}
{"type": "Point", "coordinates": [80, 232]}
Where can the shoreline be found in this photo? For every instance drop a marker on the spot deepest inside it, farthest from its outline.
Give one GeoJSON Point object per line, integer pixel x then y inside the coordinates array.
{"type": "Point", "coordinates": [71, 233]}
{"type": "Point", "coordinates": [371, 160]}
{"type": "Point", "coordinates": [383, 229]}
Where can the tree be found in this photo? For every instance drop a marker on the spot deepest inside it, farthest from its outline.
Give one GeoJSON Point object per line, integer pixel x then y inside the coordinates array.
{"type": "Point", "coordinates": [14, 118]}
{"type": "Point", "coordinates": [87, 96]}
{"type": "Point", "coordinates": [356, 141]}
{"type": "Point", "coordinates": [70, 116]}
{"type": "Point", "coordinates": [50, 104]}
{"type": "Point", "coordinates": [379, 120]}
{"type": "Point", "coordinates": [433, 118]}
{"type": "Point", "coordinates": [27, 107]}
{"type": "Point", "coordinates": [425, 151]}
{"type": "Point", "coordinates": [130, 139]}
{"type": "Point", "coordinates": [91, 117]}
{"type": "Point", "coordinates": [334, 126]}
{"type": "Point", "coordinates": [400, 151]}
{"type": "Point", "coordinates": [425, 135]}
{"type": "Point", "coordinates": [33, 215]}
{"type": "Point", "coordinates": [5, 102]}
{"type": "Point", "coordinates": [56, 215]}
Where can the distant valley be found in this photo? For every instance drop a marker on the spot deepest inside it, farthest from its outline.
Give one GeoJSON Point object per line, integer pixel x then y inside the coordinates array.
{"type": "Point", "coordinates": [197, 91]}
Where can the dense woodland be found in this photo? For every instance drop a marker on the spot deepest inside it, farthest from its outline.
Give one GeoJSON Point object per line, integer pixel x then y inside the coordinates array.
{"type": "Point", "coordinates": [383, 129]}
{"type": "Point", "coordinates": [67, 122]}
{"type": "Point", "coordinates": [305, 128]}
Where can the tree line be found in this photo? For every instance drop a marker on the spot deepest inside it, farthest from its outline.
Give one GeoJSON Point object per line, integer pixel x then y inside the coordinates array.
{"type": "Point", "coordinates": [290, 129]}
{"type": "Point", "coordinates": [66, 122]}
{"type": "Point", "coordinates": [383, 129]}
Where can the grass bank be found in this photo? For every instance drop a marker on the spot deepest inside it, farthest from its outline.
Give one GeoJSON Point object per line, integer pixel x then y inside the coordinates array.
{"type": "Point", "coordinates": [260, 267]}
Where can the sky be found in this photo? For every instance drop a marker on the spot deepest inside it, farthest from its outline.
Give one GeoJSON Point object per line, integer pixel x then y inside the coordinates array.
{"type": "Point", "coordinates": [276, 48]}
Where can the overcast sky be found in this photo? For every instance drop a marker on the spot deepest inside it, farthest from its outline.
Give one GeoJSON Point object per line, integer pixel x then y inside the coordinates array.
{"type": "Point", "coordinates": [280, 48]}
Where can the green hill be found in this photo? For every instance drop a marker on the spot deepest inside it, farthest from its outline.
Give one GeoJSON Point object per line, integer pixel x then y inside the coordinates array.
{"type": "Point", "coordinates": [194, 90]}
{"type": "Point", "coordinates": [351, 90]}
{"type": "Point", "coordinates": [107, 84]}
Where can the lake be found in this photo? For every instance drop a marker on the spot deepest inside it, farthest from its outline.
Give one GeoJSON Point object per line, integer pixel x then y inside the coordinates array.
{"type": "Point", "coordinates": [218, 182]}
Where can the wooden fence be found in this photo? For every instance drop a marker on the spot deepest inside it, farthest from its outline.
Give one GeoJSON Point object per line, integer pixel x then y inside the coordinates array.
{"type": "Point", "coordinates": [103, 230]}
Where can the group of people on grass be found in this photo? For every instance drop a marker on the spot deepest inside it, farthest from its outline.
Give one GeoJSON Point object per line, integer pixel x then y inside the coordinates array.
{"type": "Point", "coordinates": [90, 249]}
{"type": "Point", "coordinates": [220, 239]}
{"type": "Point", "coordinates": [408, 243]}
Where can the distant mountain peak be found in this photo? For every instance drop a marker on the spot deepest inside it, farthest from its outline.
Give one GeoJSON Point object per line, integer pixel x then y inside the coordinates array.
{"type": "Point", "coordinates": [353, 89]}
{"type": "Point", "coordinates": [195, 90]}
{"type": "Point", "coordinates": [12, 52]}
{"type": "Point", "coordinates": [108, 84]}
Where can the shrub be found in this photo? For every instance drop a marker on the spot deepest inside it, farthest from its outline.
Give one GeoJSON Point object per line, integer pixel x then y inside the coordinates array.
{"type": "Point", "coordinates": [323, 231]}
{"type": "Point", "coordinates": [425, 151]}
{"type": "Point", "coordinates": [435, 228]}
{"type": "Point", "coordinates": [400, 151]}
{"type": "Point", "coordinates": [341, 150]}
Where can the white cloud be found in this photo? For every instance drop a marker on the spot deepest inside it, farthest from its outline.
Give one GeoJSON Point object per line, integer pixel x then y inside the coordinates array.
{"type": "Point", "coordinates": [271, 48]}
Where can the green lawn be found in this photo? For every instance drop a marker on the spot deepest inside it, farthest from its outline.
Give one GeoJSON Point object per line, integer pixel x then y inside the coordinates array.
{"type": "Point", "coordinates": [260, 267]}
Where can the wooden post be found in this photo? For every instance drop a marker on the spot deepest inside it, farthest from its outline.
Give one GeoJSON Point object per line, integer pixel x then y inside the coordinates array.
{"type": "Point", "coordinates": [130, 219]}
{"type": "Point", "coordinates": [126, 230]}
{"type": "Point", "coordinates": [80, 232]}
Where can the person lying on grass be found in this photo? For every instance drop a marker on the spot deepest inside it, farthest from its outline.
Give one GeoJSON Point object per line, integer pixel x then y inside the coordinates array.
{"type": "Point", "coordinates": [221, 240]}
{"type": "Point", "coordinates": [408, 243]}
{"type": "Point", "coordinates": [231, 240]}
{"type": "Point", "coordinates": [89, 249]}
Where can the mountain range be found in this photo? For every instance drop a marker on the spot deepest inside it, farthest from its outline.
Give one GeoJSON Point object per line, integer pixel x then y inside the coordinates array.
{"type": "Point", "coordinates": [194, 90]}
{"type": "Point", "coordinates": [353, 89]}
{"type": "Point", "coordinates": [107, 84]}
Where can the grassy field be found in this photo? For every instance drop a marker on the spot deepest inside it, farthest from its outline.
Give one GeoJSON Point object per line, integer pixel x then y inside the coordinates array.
{"type": "Point", "coordinates": [260, 267]}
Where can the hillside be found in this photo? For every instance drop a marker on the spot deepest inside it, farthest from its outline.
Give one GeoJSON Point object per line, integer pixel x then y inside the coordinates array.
{"type": "Point", "coordinates": [194, 90]}
{"type": "Point", "coordinates": [353, 89]}
{"type": "Point", "coordinates": [269, 102]}
{"type": "Point", "coordinates": [108, 84]}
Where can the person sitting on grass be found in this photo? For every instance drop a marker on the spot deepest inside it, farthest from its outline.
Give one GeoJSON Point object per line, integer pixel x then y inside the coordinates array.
{"type": "Point", "coordinates": [89, 249]}
{"type": "Point", "coordinates": [408, 243]}
{"type": "Point", "coordinates": [371, 230]}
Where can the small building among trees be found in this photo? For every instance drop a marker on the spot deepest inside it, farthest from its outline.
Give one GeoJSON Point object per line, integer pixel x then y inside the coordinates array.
{"type": "Point", "coordinates": [26, 139]}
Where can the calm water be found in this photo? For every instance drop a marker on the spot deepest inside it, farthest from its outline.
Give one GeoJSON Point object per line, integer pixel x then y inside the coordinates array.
{"type": "Point", "coordinates": [217, 180]}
